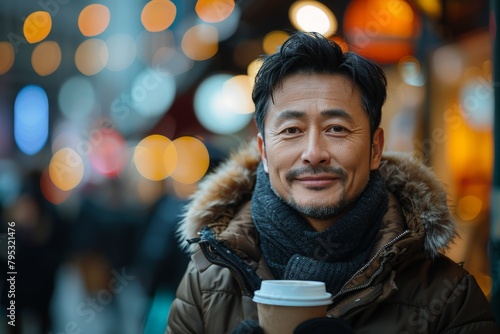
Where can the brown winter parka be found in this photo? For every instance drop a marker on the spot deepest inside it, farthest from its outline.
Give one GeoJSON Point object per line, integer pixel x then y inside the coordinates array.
{"type": "Point", "coordinates": [407, 286]}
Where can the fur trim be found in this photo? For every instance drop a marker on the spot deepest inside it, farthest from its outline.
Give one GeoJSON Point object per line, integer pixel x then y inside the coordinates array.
{"type": "Point", "coordinates": [423, 199]}
{"type": "Point", "coordinates": [221, 193]}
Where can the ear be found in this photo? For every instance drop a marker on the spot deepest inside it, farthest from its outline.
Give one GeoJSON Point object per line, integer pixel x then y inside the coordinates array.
{"type": "Point", "coordinates": [377, 149]}
{"type": "Point", "coordinates": [262, 150]}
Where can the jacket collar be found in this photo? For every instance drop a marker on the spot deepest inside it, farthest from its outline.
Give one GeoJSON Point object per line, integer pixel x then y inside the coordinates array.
{"type": "Point", "coordinates": [421, 197]}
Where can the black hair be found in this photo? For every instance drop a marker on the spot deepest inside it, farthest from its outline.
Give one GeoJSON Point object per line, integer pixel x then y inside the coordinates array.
{"type": "Point", "coordinates": [309, 53]}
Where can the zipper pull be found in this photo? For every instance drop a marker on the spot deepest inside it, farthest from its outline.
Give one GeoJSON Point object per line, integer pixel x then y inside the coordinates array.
{"type": "Point", "coordinates": [193, 241]}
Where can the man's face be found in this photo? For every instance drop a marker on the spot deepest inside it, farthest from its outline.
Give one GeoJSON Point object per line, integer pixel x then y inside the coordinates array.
{"type": "Point", "coordinates": [317, 147]}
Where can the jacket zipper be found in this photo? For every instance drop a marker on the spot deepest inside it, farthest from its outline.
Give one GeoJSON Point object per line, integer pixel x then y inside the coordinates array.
{"type": "Point", "coordinates": [220, 254]}
{"type": "Point", "coordinates": [377, 272]}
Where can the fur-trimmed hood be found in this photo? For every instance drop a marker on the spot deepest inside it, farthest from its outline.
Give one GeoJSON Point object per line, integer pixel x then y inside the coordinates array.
{"type": "Point", "coordinates": [422, 198]}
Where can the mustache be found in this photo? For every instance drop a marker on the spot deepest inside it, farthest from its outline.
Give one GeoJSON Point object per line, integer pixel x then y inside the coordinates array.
{"type": "Point", "coordinates": [310, 170]}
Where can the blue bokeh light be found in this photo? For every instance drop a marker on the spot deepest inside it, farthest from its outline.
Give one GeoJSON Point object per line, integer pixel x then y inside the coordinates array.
{"type": "Point", "coordinates": [31, 119]}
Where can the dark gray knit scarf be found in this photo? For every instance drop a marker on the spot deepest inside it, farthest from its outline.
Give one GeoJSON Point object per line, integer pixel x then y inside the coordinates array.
{"type": "Point", "coordinates": [293, 250]}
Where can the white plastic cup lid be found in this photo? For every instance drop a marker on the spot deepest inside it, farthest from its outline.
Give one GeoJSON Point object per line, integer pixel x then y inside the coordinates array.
{"type": "Point", "coordinates": [292, 293]}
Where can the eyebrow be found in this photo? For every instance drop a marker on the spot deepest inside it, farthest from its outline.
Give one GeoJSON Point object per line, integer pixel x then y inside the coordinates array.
{"type": "Point", "coordinates": [291, 114]}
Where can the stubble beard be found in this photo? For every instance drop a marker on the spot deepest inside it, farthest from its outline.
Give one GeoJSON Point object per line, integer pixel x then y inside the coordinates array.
{"type": "Point", "coordinates": [319, 212]}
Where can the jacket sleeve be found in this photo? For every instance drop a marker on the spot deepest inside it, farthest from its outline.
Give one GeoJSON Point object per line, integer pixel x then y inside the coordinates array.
{"type": "Point", "coordinates": [208, 302]}
{"type": "Point", "coordinates": [466, 309]}
{"type": "Point", "coordinates": [185, 315]}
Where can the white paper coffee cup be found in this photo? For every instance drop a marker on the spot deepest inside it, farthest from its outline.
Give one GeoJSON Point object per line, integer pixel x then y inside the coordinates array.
{"type": "Point", "coordinates": [283, 304]}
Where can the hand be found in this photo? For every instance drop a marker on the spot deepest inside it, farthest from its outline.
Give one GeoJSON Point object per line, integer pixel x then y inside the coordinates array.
{"type": "Point", "coordinates": [324, 326]}
{"type": "Point", "coordinates": [248, 327]}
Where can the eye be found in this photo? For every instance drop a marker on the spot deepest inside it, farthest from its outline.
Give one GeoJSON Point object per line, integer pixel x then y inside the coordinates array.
{"type": "Point", "coordinates": [337, 129]}
{"type": "Point", "coordinates": [291, 131]}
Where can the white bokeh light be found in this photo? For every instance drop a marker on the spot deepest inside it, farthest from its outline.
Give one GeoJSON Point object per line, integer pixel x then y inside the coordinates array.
{"type": "Point", "coordinates": [217, 110]}
{"type": "Point", "coordinates": [153, 92]}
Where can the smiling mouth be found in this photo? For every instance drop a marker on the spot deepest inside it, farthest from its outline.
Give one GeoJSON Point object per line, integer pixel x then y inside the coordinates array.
{"type": "Point", "coordinates": [317, 182]}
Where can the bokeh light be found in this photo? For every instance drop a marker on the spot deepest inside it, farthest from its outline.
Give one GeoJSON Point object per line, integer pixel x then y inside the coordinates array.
{"type": "Point", "coordinates": [383, 30]}
{"type": "Point", "coordinates": [153, 92]}
{"type": "Point", "coordinates": [158, 15]}
{"type": "Point", "coordinates": [31, 119]}
{"type": "Point", "coordinates": [91, 56]}
{"type": "Point", "coordinates": [192, 160]}
{"type": "Point", "coordinates": [200, 42]}
{"type": "Point", "coordinates": [217, 111]}
{"type": "Point", "coordinates": [410, 70]}
{"type": "Point", "coordinates": [122, 50]}
{"type": "Point", "coordinates": [77, 98]}
{"type": "Point", "coordinates": [432, 8]}
{"type": "Point", "coordinates": [313, 16]}
{"type": "Point", "coordinates": [341, 42]}
{"type": "Point", "coordinates": [214, 10]}
{"type": "Point", "coordinates": [253, 68]}
{"type": "Point", "coordinates": [66, 169]}
{"type": "Point", "coordinates": [155, 157]}
{"type": "Point", "coordinates": [93, 20]}
{"type": "Point", "coordinates": [238, 89]}
{"type": "Point", "coordinates": [477, 103]}
{"type": "Point", "coordinates": [109, 156]}
{"type": "Point", "coordinates": [273, 41]}
{"type": "Point", "coordinates": [46, 58]}
{"type": "Point", "coordinates": [7, 57]}
{"type": "Point", "coordinates": [37, 26]}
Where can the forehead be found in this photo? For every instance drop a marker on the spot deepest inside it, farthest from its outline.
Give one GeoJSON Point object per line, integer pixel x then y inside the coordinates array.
{"type": "Point", "coordinates": [315, 91]}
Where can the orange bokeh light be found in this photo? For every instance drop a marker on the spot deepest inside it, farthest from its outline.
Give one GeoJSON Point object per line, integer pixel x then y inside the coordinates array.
{"type": "Point", "coordinates": [37, 26]}
{"type": "Point", "coordinates": [155, 157]}
{"type": "Point", "coordinates": [91, 56]}
{"type": "Point", "coordinates": [66, 169]}
{"type": "Point", "coordinates": [158, 15]}
{"type": "Point", "coordinates": [200, 42]}
{"type": "Point", "coordinates": [7, 57]}
{"type": "Point", "coordinates": [193, 160]}
{"type": "Point", "coordinates": [46, 58]}
{"type": "Point", "coordinates": [93, 20]}
{"type": "Point", "coordinates": [214, 10]}
{"type": "Point", "coordinates": [383, 30]}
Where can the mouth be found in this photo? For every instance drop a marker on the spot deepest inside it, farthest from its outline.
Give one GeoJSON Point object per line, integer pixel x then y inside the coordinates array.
{"type": "Point", "coordinates": [317, 181]}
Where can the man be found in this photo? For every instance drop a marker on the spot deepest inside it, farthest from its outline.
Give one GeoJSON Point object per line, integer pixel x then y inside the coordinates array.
{"type": "Point", "coordinates": [313, 198]}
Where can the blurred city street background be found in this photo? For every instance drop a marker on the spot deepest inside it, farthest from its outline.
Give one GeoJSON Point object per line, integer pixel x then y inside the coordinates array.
{"type": "Point", "coordinates": [111, 112]}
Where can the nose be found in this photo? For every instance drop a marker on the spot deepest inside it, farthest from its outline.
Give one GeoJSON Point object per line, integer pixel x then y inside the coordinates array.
{"type": "Point", "coordinates": [316, 150]}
